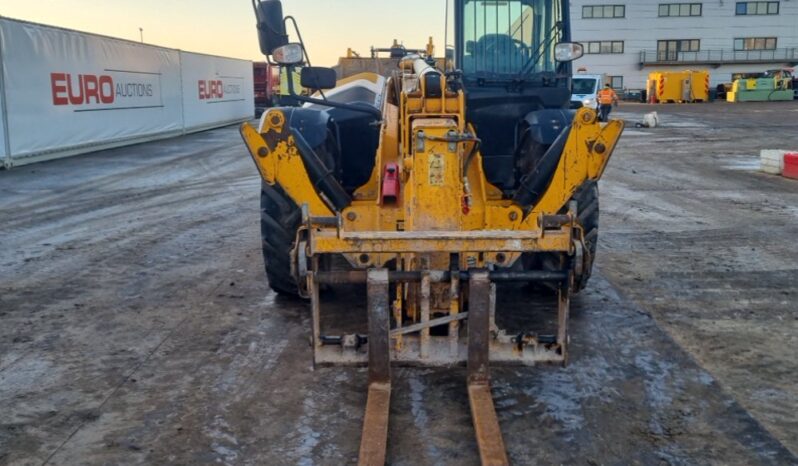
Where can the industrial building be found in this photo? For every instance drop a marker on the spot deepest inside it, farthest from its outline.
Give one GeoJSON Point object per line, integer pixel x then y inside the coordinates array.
{"type": "Point", "coordinates": [628, 40]}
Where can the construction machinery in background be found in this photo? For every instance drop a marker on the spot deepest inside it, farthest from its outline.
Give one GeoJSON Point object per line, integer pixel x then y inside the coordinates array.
{"type": "Point", "coordinates": [678, 87]}
{"type": "Point", "coordinates": [353, 63]}
{"type": "Point", "coordinates": [435, 184]}
{"type": "Point", "coordinates": [783, 79]}
{"type": "Point", "coordinates": [770, 86]}
{"type": "Point", "coordinates": [397, 50]}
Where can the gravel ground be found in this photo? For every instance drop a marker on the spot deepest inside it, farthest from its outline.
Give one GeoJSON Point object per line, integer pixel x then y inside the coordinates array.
{"type": "Point", "coordinates": [137, 327]}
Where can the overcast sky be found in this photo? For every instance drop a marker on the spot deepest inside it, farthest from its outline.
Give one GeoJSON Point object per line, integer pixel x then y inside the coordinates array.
{"type": "Point", "coordinates": [226, 27]}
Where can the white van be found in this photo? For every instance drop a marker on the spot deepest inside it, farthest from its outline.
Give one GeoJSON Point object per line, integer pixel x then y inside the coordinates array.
{"type": "Point", "coordinates": [585, 88]}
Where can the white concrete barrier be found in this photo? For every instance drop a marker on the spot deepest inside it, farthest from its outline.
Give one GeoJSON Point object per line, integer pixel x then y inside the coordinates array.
{"type": "Point", "coordinates": [66, 92]}
{"type": "Point", "coordinates": [772, 161]}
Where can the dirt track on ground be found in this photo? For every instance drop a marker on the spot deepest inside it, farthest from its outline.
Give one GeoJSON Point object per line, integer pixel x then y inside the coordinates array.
{"type": "Point", "coordinates": [137, 326]}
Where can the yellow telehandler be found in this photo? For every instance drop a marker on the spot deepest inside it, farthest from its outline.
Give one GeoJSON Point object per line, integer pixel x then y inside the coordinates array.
{"type": "Point", "coordinates": [434, 185]}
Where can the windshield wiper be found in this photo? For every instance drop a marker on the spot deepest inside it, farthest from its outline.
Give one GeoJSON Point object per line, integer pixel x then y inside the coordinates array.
{"type": "Point", "coordinates": [529, 66]}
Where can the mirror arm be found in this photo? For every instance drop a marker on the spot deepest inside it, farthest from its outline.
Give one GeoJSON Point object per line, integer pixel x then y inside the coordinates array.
{"type": "Point", "coordinates": [304, 50]}
{"type": "Point", "coordinates": [327, 103]}
{"type": "Point", "coordinates": [299, 36]}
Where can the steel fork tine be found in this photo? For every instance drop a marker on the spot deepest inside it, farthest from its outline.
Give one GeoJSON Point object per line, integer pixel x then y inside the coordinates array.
{"type": "Point", "coordinates": [374, 440]}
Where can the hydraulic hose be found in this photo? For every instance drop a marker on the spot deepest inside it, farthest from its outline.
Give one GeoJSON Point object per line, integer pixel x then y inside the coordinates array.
{"type": "Point", "coordinates": [323, 179]}
{"type": "Point", "coordinates": [534, 184]}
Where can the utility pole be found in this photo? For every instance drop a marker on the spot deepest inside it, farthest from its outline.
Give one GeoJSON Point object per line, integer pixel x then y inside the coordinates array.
{"type": "Point", "coordinates": [141, 34]}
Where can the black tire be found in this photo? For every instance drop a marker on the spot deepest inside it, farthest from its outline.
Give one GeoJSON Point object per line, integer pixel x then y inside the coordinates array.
{"type": "Point", "coordinates": [279, 222]}
{"type": "Point", "coordinates": [587, 199]}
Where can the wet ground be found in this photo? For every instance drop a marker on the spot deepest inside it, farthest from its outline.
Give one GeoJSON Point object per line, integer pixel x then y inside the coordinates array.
{"type": "Point", "coordinates": [136, 326]}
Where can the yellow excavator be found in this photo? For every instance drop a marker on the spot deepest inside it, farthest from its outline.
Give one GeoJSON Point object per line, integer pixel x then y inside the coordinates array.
{"type": "Point", "coordinates": [434, 185]}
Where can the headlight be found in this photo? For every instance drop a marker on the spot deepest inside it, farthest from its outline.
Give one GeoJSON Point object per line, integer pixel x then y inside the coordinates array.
{"type": "Point", "coordinates": [290, 54]}
{"type": "Point", "coordinates": [568, 51]}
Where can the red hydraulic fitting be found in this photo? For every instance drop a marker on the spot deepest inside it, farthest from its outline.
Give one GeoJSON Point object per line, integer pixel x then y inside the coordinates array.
{"type": "Point", "coordinates": [390, 183]}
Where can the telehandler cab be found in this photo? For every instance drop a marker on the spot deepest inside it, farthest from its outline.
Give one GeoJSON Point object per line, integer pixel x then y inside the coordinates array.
{"type": "Point", "coordinates": [434, 185]}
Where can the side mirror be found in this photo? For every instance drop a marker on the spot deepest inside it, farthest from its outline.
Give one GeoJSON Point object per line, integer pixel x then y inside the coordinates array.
{"type": "Point", "coordinates": [271, 28]}
{"type": "Point", "coordinates": [317, 77]}
{"type": "Point", "coordinates": [568, 51]}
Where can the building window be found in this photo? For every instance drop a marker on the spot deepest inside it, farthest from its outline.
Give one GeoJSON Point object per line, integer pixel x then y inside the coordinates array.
{"type": "Point", "coordinates": [605, 47]}
{"type": "Point", "coordinates": [668, 50]}
{"type": "Point", "coordinates": [755, 43]}
{"type": "Point", "coordinates": [616, 82]}
{"type": "Point", "coordinates": [679, 9]}
{"type": "Point", "coordinates": [757, 8]}
{"type": "Point", "coordinates": [603, 11]}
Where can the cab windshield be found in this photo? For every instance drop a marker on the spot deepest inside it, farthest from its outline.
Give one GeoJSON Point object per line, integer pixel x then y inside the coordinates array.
{"type": "Point", "coordinates": [508, 37]}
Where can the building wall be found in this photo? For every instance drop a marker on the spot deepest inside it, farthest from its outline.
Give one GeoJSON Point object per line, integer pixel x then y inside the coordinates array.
{"type": "Point", "coordinates": [642, 27]}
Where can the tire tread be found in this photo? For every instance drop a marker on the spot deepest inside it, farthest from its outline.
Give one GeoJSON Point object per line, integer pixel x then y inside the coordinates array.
{"type": "Point", "coordinates": [280, 219]}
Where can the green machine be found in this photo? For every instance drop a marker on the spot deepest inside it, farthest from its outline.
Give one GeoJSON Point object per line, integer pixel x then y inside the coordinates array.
{"type": "Point", "coordinates": [772, 87]}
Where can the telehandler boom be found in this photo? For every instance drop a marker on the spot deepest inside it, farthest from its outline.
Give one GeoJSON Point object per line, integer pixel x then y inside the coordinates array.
{"type": "Point", "coordinates": [435, 185]}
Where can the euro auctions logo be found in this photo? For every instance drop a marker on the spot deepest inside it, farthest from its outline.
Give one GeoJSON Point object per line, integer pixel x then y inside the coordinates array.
{"type": "Point", "coordinates": [217, 90]}
{"type": "Point", "coordinates": [89, 87]}
{"type": "Point", "coordinates": [210, 89]}
{"type": "Point", "coordinates": [112, 90]}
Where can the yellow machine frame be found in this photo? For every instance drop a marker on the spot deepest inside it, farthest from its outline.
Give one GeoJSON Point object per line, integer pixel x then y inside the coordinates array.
{"type": "Point", "coordinates": [491, 224]}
